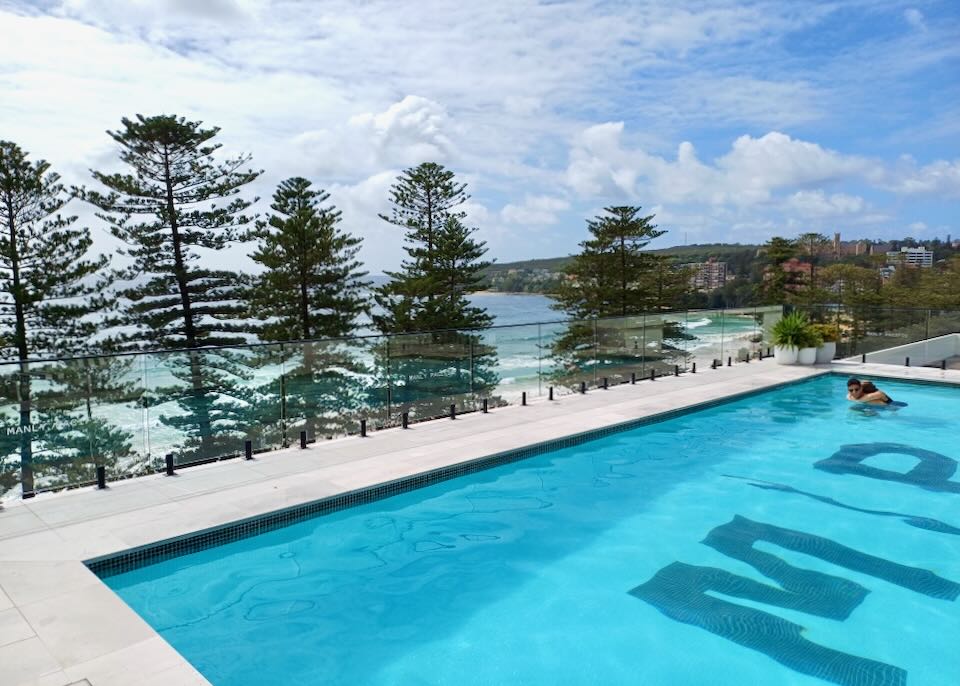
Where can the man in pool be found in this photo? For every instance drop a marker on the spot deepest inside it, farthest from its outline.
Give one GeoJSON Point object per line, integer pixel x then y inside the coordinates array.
{"type": "Point", "coordinates": [866, 392]}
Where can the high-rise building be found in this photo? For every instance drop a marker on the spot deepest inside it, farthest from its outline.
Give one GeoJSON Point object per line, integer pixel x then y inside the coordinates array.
{"type": "Point", "coordinates": [911, 257]}
{"type": "Point", "coordinates": [707, 275]}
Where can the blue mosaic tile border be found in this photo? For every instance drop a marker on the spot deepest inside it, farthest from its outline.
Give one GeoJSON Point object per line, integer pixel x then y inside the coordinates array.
{"type": "Point", "coordinates": [135, 558]}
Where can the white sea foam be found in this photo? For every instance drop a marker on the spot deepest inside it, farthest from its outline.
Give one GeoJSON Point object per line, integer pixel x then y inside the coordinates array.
{"type": "Point", "coordinates": [698, 323]}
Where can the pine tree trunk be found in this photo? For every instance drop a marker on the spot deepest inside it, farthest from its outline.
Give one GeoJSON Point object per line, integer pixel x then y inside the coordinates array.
{"type": "Point", "coordinates": [201, 403]}
{"type": "Point", "coordinates": [623, 278]}
{"type": "Point", "coordinates": [23, 384]}
{"type": "Point", "coordinates": [429, 239]}
{"type": "Point", "coordinates": [26, 435]}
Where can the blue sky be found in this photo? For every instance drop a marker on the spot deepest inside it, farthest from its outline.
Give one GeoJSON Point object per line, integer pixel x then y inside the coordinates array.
{"type": "Point", "coordinates": [732, 121]}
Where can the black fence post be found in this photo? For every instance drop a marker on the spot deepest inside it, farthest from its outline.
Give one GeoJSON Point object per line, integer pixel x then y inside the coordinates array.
{"type": "Point", "coordinates": [453, 410]}
{"type": "Point", "coordinates": [653, 374]}
{"type": "Point", "coordinates": [633, 377]}
{"type": "Point", "coordinates": [550, 393]}
{"type": "Point", "coordinates": [248, 450]}
{"type": "Point", "coordinates": [169, 459]}
{"type": "Point", "coordinates": [523, 398]}
{"type": "Point", "coordinates": [303, 440]}
{"type": "Point", "coordinates": [676, 370]}
{"type": "Point", "coordinates": [908, 361]}
{"type": "Point", "coordinates": [101, 477]}
{"type": "Point", "coordinates": [863, 358]}
{"type": "Point", "coordinates": [363, 428]}
{"type": "Point", "coordinates": [583, 387]}
{"type": "Point", "coordinates": [943, 364]}
{"type": "Point", "coordinates": [693, 368]}
{"type": "Point", "coordinates": [605, 384]}
{"type": "Point", "coordinates": [485, 407]}
{"type": "Point", "coordinates": [729, 361]}
{"type": "Point", "coordinates": [405, 418]}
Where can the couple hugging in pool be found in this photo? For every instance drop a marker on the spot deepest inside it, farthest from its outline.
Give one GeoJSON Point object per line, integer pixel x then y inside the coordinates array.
{"type": "Point", "coordinates": [866, 392]}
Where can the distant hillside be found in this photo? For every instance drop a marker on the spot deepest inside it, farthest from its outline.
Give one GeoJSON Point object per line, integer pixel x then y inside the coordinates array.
{"type": "Point", "coordinates": [553, 264]}
{"type": "Point", "coordinates": [682, 253]}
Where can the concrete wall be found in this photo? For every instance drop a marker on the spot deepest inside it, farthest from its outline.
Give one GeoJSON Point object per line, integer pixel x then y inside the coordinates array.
{"type": "Point", "coordinates": [930, 351]}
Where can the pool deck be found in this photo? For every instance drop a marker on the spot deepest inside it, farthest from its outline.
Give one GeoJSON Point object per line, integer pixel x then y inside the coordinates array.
{"type": "Point", "coordinates": [60, 625]}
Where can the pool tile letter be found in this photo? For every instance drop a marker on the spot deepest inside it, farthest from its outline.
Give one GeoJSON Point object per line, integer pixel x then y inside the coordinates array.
{"type": "Point", "coordinates": [679, 591]}
{"type": "Point", "coordinates": [932, 473]}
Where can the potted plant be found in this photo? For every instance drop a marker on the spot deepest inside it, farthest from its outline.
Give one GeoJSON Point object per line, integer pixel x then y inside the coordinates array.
{"type": "Point", "coordinates": [788, 335]}
{"type": "Point", "coordinates": [828, 349]}
{"type": "Point", "coordinates": [810, 340]}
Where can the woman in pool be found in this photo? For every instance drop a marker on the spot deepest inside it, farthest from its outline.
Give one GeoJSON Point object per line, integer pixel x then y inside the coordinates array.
{"type": "Point", "coordinates": [866, 392]}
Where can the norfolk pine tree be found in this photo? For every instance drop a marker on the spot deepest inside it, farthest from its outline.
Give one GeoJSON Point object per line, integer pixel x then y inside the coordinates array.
{"type": "Point", "coordinates": [49, 286]}
{"type": "Point", "coordinates": [443, 266]}
{"type": "Point", "coordinates": [612, 277]}
{"type": "Point", "coordinates": [313, 287]}
{"type": "Point", "coordinates": [605, 278]}
{"type": "Point", "coordinates": [178, 203]}
{"type": "Point", "coordinates": [423, 199]}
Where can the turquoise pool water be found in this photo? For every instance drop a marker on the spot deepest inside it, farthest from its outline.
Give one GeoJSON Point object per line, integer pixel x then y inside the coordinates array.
{"type": "Point", "coordinates": [779, 539]}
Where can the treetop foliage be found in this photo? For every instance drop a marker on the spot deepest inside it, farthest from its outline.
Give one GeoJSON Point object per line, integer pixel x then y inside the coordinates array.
{"type": "Point", "coordinates": [444, 262]}
{"type": "Point", "coordinates": [613, 275]}
{"type": "Point", "coordinates": [314, 284]}
{"type": "Point", "coordinates": [178, 201]}
{"type": "Point", "coordinates": [48, 282]}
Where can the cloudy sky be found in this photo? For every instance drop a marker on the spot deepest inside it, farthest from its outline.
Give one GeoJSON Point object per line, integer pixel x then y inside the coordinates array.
{"type": "Point", "coordinates": [732, 121]}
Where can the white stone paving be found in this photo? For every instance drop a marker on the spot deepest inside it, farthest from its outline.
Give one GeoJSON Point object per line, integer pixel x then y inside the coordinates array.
{"type": "Point", "coordinates": [60, 625]}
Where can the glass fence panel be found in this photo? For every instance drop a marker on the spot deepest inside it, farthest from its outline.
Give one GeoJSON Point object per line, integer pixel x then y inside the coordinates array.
{"type": "Point", "coordinates": [15, 450]}
{"type": "Point", "coordinates": [704, 337]}
{"type": "Point", "coordinates": [555, 359]}
{"type": "Point", "coordinates": [203, 404]}
{"type": "Point", "coordinates": [571, 348]}
{"type": "Point", "coordinates": [429, 372]}
{"type": "Point", "coordinates": [881, 328]}
{"type": "Point", "coordinates": [61, 419]}
{"type": "Point", "coordinates": [113, 410]}
{"type": "Point", "coordinates": [625, 345]}
{"type": "Point", "coordinates": [519, 363]}
{"type": "Point", "coordinates": [679, 339]}
{"type": "Point", "coordinates": [250, 385]}
{"type": "Point", "coordinates": [328, 387]}
{"type": "Point", "coordinates": [768, 316]}
{"type": "Point", "coordinates": [942, 322]}
{"type": "Point", "coordinates": [738, 335]}
{"type": "Point", "coordinates": [381, 410]}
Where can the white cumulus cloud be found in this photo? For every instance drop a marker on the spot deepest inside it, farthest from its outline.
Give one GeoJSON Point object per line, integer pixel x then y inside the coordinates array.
{"type": "Point", "coordinates": [819, 204]}
{"type": "Point", "coordinates": [749, 173]}
{"type": "Point", "coordinates": [534, 210]}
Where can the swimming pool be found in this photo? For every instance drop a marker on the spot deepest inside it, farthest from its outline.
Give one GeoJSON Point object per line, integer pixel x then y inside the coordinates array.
{"type": "Point", "coordinates": [777, 539]}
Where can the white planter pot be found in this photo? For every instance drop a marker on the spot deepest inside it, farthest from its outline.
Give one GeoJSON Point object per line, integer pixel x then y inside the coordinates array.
{"type": "Point", "coordinates": [807, 356]}
{"type": "Point", "coordinates": [826, 352]}
{"type": "Point", "coordinates": [785, 355]}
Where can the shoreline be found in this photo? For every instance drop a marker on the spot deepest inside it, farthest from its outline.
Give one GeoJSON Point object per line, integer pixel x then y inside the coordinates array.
{"type": "Point", "coordinates": [486, 292]}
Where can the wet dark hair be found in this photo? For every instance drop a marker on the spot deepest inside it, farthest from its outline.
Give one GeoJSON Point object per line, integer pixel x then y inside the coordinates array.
{"type": "Point", "coordinates": [868, 387]}
{"type": "Point", "coordinates": [854, 382]}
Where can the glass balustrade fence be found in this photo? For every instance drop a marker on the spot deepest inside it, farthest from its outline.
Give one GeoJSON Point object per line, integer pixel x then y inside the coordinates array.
{"type": "Point", "coordinates": [62, 419]}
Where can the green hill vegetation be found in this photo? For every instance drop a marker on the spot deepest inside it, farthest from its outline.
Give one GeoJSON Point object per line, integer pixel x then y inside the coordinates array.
{"type": "Point", "coordinates": [544, 275]}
